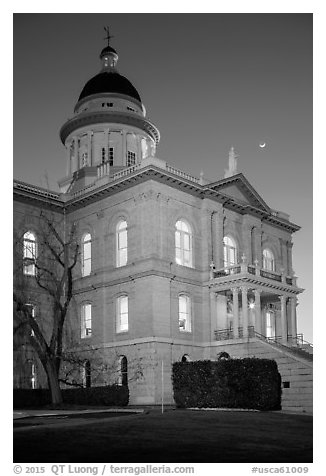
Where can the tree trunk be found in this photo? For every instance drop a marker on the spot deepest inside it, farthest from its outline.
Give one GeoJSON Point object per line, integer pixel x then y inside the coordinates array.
{"type": "Point", "coordinates": [53, 381]}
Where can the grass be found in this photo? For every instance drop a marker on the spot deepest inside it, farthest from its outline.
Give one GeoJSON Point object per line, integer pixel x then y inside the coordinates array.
{"type": "Point", "coordinates": [176, 436]}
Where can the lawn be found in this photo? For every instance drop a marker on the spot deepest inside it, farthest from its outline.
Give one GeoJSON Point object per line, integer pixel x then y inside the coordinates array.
{"type": "Point", "coordinates": [176, 436]}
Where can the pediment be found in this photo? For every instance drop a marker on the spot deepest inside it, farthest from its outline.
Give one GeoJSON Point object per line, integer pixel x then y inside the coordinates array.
{"type": "Point", "coordinates": [241, 191]}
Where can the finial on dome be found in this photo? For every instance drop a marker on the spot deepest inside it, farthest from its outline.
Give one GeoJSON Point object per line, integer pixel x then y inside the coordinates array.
{"type": "Point", "coordinates": [108, 55]}
{"type": "Point", "coordinates": [108, 36]}
{"type": "Point", "coordinates": [232, 170]}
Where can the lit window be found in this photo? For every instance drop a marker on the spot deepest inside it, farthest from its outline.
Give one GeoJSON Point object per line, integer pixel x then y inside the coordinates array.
{"type": "Point", "coordinates": [123, 371]}
{"type": "Point", "coordinates": [184, 313]}
{"type": "Point", "coordinates": [86, 374]}
{"type": "Point", "coordinates": [131, 158]}
{"type": "Point", "coordinates": [29, 253]}
{"type": "Point", "coordinates": [111, 155]}
{"type": "Point", "coordinates": [270, 324]}
{"type": "Point", "coordinates": [183, 244]}
{"type": "Point", "coordinates": [86, 320]}
{"type": "Point", "coordinates": [33, 376]}
{"type": "Point", "coordinates": [268, 260]}
{"type": "Point", "coordinates": [122, 243]}
{"type": "Point", "coordinates": [122, 314]}
{"type": "Point", "coordinates": [31, 310]}
{"type": "Point", "coordinates": [86, 255]}
{"type": "Point", "coordinates": [230, 251]}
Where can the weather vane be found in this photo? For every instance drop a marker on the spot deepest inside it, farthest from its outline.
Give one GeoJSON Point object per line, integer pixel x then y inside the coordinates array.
{"type": "Point", "coordinates": [108, 36]}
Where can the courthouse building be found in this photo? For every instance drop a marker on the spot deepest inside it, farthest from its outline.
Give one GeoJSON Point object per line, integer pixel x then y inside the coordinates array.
{"type": "Point", "coordinates": [172, 267]}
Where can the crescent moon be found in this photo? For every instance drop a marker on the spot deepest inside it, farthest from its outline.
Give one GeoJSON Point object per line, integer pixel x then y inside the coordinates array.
{"type": "Point", "coordinates": [262, 145]}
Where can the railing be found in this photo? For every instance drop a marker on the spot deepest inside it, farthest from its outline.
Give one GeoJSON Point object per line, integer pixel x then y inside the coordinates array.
{"type": "Point", "coordinates": [125, 172]}
{"type": "Point", "coordinates": [182, 174]}
{"type": "Point", "coordinates": [253, 270]}
{"type": "Point", "coordinates": [289, 348]}
{"type": "Point", "coordinates": [226, 334]}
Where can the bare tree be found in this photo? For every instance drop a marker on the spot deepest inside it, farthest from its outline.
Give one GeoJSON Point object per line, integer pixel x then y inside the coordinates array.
{"type": "Point", "coordinates": [44, 270]}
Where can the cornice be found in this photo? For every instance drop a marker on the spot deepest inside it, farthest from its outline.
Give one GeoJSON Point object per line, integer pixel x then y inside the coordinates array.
{"type": "Point", "coordinates": [140, 175]}
{"type": "Point", "coordinates": [115, 117]}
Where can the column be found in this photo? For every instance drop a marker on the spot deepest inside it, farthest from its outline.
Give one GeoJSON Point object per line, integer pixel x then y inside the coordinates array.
{"type": "Point", "coordinates": [289, 246]}
{"type": "Point", "coordinates": [124, 147]}
{"type": "Point", "coordinates": [138, 158]}
{"type": "Point", "coordinates": [244, 291]}
{"type": "Point", "coordinates": [283, 319]}
{"type": "Point", "coordinates": [213, 312]}
{"type": "Point", "coordinates": [75, 164]}
{"type": "Point", "coordinates": [258, 326]}
{"type": "Point", "coordinates": [68, 150]}
{"type": "Point", "coordinates": [235, 312]}
{"type": "Point", "coordinates": [218, 240]}
{"type": "Point", "coordinates": [89, 148]}
{"type": "Point", "coordinates": [293, 303]}
{"type": "Point", "coordinates": [246, 239]}
{"type": "Point", "coordinates": [258, 247]}
{"type": "Point", "coordinates": [106, 144]}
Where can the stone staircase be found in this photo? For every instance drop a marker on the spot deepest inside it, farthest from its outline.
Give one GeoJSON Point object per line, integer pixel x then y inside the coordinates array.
{"type": "Point", "coordinates": [295, 366]}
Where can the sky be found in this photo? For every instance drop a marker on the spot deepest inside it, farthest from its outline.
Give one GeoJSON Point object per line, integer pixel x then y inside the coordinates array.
{"type": "Point", "coordinates": [208, 81]}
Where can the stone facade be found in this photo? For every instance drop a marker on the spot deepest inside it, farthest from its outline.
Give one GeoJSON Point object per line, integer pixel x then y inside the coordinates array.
{"type": "Point", "coordinates": [170, 285]}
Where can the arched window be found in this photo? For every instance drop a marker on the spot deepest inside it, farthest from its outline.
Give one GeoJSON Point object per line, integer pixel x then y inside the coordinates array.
{"type": "Point", "coordinates": [86, 320]}
{"type": "Point", "coordinates": [86, 255]}
{"type": "Point", "coordinates": [123, 371]}
{"type": "Point", "coordinates": [230, 251]}
{"type": "Point", "coordinates": [183, 244]}
{"type": "Point", "coordinates": [122, 314]}
{"type": "Point", "coordinates": [29, 253]}
{"type": "Point", "coordinates": [184, 313]}
{"type": "Point", "coordinates": [185, 358]}
{"type": "Point", "coordinates": [86, 374]}
{"type": "Point", "coordinates": [122, 243]}
{"type": "Point", "coordinates": [268, 260]}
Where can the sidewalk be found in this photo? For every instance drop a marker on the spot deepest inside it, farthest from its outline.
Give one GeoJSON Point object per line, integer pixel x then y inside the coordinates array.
{"type": "Point", "coordinates": [47, 412]}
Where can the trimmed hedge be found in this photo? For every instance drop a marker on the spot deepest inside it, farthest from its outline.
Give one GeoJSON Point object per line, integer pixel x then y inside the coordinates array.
{"type": "Point", "coordinates": [111, 395]}
{"type": "Point", "coordinates": [247, 383]}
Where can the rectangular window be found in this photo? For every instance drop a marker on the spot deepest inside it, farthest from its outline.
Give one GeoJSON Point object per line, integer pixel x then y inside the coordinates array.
{"type": "Point", "coordinates": [131, 158]}
{"type": "Point", "coordinates": [86, 255]}
{"type": "Point", "coordinates": [122, 314]}
{"type": "Point", "coordinates": [122, 243]}
{"type": "Point", "coordinates": [31, 309]}
{"type": "Point", "coordinates": [184, 313]}
{"type": "Point", "coordinates": [86, 320]}
{"type": "Point", "coordinates": [111, 155]}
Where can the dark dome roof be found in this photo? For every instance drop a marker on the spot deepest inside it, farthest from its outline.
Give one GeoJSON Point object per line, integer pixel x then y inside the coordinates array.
{"type": "Point", "coordinates": [109, 82]}
{"type": "Point", "coordinates": [108, 49]}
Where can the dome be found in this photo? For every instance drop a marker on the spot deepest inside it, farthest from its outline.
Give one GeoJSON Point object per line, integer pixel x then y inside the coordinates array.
{"type": "Point", "coordinates": [109, 82]}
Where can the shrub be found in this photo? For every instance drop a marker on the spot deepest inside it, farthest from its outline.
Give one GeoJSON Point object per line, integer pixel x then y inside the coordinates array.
{"type": "Point", "coordinates": [111, 395]}
{"type": "Point", "coordinates": [234, 383]}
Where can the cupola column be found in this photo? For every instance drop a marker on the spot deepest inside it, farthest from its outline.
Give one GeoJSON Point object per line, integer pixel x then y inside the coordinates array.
{"type": "Point", "coordinates": [74, 158]}
{"type": "Point", "coordinates": [106, 144]}
{"type": "Point", "coordinates": [68, 155]}
{"type": "Point", "coordinates": [89, 148]}
{"type": "Point", "coordinates": [124, 146]}
{"type": "Point", "coordinates": [138, 150]}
